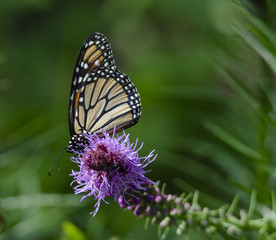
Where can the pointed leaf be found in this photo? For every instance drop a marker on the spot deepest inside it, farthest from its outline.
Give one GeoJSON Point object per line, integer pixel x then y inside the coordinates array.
{"type": "Point", "coordinates": [233, 142]}
{"type": "Point", "coordinates": [233, 204]}
{"type": "Point", "coordinates": [255, 43]}
{"type": "Point", "coordinates": [72, 232]}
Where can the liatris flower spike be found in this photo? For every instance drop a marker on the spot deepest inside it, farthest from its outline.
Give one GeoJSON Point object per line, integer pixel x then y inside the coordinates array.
{"type": "Point", "coordinates": [109, 166]}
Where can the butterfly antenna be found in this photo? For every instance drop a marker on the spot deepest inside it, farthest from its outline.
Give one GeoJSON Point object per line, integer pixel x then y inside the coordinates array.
{"type": "Point", "coordinates": [56, 160]}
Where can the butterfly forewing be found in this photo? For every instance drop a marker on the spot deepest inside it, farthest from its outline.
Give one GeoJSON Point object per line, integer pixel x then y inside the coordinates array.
{"type": "Point", "coordinates": [95, 53]}
{"type": "Point", "coordinates": [102, 97]}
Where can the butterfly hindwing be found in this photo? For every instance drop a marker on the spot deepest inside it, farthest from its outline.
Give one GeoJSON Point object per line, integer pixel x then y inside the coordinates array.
{"type": "Point", "coordinates": [108, 99]}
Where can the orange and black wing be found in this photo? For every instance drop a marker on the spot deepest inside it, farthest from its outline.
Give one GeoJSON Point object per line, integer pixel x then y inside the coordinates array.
{"type": "Point", "coordinates": [107, 99]}
{"type": "Point", "coordinates": [101, 96]}
{"type": "Point", "coordinates": [95, 53]}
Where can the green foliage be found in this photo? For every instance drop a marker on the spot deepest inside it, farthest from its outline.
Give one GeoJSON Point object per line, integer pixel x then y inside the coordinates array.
{"type": "Point", "coordinates": [205, 70]}
{"type": "Point", "coordinates": [71, 232]}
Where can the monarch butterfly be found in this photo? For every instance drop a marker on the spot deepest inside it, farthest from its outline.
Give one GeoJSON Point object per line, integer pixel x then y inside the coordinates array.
{"type": "Point", "coordinates": [101, 96]}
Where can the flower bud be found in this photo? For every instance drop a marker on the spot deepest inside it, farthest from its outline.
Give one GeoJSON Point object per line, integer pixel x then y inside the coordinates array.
{"type": "Point", "coordinates": [174, 212]}
{"type": "Point", "coordinates": [158, 199]}
{"type": "Point", "coordinates": [165, 222]}
{"type": "Point", "coordinates": [181, 228]}
{"type": "Point", "coordinates": [121, 201]}
{"type": "Point", "coordinates": [139, 210]}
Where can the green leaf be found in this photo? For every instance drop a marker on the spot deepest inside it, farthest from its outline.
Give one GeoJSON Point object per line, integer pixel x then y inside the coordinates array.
{"type": "Point", "coordinates": [252, 205]}
{"type": "Point", "coordinates": [71, 232]}
{"type": "Point", "coordinates": [257, 45]}
{"type": "Point", "coordinates": [240, 88]}
{"type": "Point", "coordinates": [233, 204]}
{"type": "Point", "coordinates": [195, 199]}
{"type": "Point", "coordinates": [233, 142]}
{"type": "Point", "coordinates": [261, 29]}
{"type": "Point", "coordinates": [273, 196]}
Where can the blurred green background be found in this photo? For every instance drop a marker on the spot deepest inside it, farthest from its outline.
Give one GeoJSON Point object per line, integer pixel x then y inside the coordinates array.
{"type": "Point", "coordinates": [209, 135]}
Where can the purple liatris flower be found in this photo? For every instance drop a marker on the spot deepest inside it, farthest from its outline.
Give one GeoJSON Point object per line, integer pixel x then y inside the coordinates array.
{"type": "Point", "coordinates": [109, 166]}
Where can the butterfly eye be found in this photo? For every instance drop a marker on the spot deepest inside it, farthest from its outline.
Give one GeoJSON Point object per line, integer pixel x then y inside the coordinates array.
{"type": "Point", "coordinates": [102, 97]}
